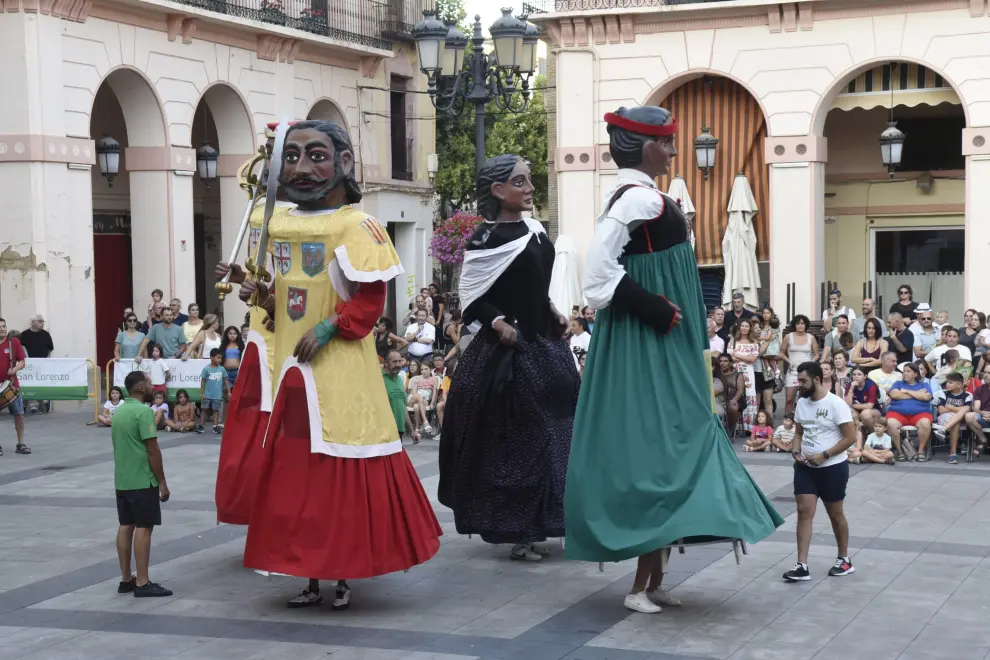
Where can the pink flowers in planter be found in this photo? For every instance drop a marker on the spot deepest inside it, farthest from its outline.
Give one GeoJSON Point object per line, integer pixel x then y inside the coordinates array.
{"type": "Point", "coordinates": [450, 237]}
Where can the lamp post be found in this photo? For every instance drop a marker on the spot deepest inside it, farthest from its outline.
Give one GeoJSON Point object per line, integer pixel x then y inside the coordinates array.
{"type": "Point", "coordinates": [206, 163]}
{"type": "Point", "coordinates": [705, 146]}
{"type": "Point", "coordinates": [108, 158]}
{"type": "Point", "coordinates": [486, 77]}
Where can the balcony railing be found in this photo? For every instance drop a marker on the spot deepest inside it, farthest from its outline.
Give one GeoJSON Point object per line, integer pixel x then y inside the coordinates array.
{"type": "Point", "coordinates": [359, 22]}
{"type": "Point", "coordinates": [401, 15]}
{"type": "Point", "coordinates": [544, 6]}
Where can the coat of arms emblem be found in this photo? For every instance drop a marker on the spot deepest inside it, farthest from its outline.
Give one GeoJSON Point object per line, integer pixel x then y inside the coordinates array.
{"type": "Point", "coordinates": [295, 304]}
{"type": "Point", "coordinates": [314, 258]}
{"type": "Point", "coordinates": [283, 256]}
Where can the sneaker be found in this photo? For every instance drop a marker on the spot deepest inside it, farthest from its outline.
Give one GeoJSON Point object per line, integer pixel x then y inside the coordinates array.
{"type": "Point", "coordinates": [953, 459]}
{"type": "Point", "coordinates": [216, 428]}
{"type": "Point", "coordinates": [341, 598]}
{"type": "Point", "coordinates": [641, 603]}
{"type": "Point", "coordinates": [842, 566]}
{"type": "Point", "coordinates": [799, 573]}
{"type": "Point", "coordinates": [127, 587]}
{"type": "Point", "coordinates": [305, 599]}
{"type": "Point", "coordinates": [543, 552]}
{"type": "Point", "coordinates": [658, 597]}
{"type": "Point", "coordinates": [151, 590]}
{"type": "Point", "coordinates": [524, 553]}
{"type": "Point", "coordinates": [199, 428]}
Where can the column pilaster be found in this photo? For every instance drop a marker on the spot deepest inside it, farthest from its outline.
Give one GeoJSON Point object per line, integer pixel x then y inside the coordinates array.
{"type": "Point", "coordinates": [976, 148]}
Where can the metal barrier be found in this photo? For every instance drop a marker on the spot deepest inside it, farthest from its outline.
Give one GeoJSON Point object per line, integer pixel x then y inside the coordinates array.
{"type": "Point", "coordinates": [96, 393]}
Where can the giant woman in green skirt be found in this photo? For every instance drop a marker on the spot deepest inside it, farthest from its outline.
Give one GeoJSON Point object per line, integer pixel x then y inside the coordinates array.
{"type": "Point", "coordinates": [650, 464]}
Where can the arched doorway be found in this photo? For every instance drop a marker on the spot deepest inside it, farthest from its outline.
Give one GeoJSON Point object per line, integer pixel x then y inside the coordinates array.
{"type": "Point", "coordinates": [130, 217]}
{"type": "Point", "coordinates": [735, 118]}
{"type": "Point", "coordinates": [889, 226]}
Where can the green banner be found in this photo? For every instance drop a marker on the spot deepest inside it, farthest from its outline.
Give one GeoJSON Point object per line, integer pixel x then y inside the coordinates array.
{"type": "Point", "coordinates": [54, 379]}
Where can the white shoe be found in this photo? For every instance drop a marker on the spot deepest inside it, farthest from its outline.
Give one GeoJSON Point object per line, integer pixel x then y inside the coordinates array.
{"type": "Point", "coordinates": [663, 598]}
{"type": "Point", "coordinates": [427, 429]}
{"type": "Point", "coordinates": [543, 552]}
{"type": "Point", "coordinates": [641, 603]}
{"type": "Point", "coordinates": [524, 553]}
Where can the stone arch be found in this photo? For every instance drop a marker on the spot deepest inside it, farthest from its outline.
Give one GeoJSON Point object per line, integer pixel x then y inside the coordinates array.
{"type": "Point", "coordinates": [828, 98]}
{"type": "Point", "coordinates": [664, 89]}
{"type": "Point", "coordinates": [144, 114]}
{"type": "Point", "coordinates": [328, 110]}
{"type": "Point", "coordinates": [235, 132]}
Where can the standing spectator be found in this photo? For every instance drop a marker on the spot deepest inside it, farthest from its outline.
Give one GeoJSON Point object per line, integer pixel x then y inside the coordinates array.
{"type": "Point", "coordinates": [745, 351]}
{"type": "Point", "coordinates": [439, 310]}
{"type": "Point", "coordinates": [798, 347]}
{"type": "Point", "coordinates": [184, 416]}
{"type": "Point", "coordinates": [233, 349]}
{"type": "Point", "coordinates": [213, 389]}
{"type": "Point", "coordinates": [858, 325]}
{"type": "Point", "coordinates": [954, 404]}
{"type": "Point", "coordinates": [206, 339]}
{"type": "Point", "coordinates": [168, 336]}
{"type": "Point", "coordinates": [580, 337]}
{"type": "Point", "coordinates": [979, 420]}
{"type": "Point", "coordinates": [905, 305]}
{"type": "Point", "coordinates": [738, 311]}
{"type": "Point", "coordinates": [783, 436]}
{"type": "Point", "coordinates": [12, 358]}
{"type": "Point", "coordinates": [901, 339]}
{"type": "Point", "coordinates": [421, 335]}
{"type": "Point", "coordinates": [589, 315]}
{"type": "Point", "coordinates": [863, 399]}
{"type": "Point", "coordinates": [925, 335]}
{"type": "Point", "coordinates": [128, 311]}
{"type": "Point", "coordinates": [722, 329]}
{"type": "Point", "coordinates": [831, 341]}
{"type": "Point", "coordinates": [159, 370]}
{"type": "Point", "coordinates": [110, 406]}
{"type": "Point", "coordinates": [155, 308]}
{"type": "Point", "coordinates": [835, 308]}
{"type": "Point", "coordinates": [139, 479]}
{"type": "Point", "coordinates": [770, 338]}
{"type": "Point", "coordinates": [733, 390]}
{"type": "Point", "coordinates": [178, 317]}
{"type": "Point", "coordinates": [934, 356]}
{"type": "Point", "coordinates": [715, 343]}
{"type": "Point", "coordinates": [419, 303]}
{"type": "Point", "coordinates": [130, 343]}
{"type": "Point", "coordinates": [38, 344]}
{"type": "Point", "coordinates": [974, 323]}
{"type": "Point", "coordinates": [386, 340]}
{"type": "Point", "coordinates": [193, 323]}
{"type": "Point", "coordinates": [395, 388]}
{"type": "Point", "coordinates": [910, 405]}
{"type": "Point", "coordinates": [455, 328]}
{"type": "Point", "coordinates": [868, 350]}
{"type": "Point", "coordinates": [887, 374]}
{"type": "Point", "coordinates": [159, 406]}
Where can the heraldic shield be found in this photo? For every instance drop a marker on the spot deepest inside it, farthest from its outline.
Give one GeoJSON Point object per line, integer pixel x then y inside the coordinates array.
{"type": "Point", "coordinates": [314, 258]}
{"type": "Point", "coordinates": [295, 303]}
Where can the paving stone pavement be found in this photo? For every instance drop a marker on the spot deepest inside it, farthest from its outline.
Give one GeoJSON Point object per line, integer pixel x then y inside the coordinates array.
{"type": "Point", "coordinates": [921, 536]}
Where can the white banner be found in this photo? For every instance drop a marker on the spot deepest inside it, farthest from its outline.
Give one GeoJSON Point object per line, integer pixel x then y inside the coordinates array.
{"type": "Point", "coordinates": [182, 375]}
{"type": "Point", "coordinates": [54, 379]}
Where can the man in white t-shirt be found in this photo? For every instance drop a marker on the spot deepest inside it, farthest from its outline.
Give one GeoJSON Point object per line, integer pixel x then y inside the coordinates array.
{"type": "Point", "coordinates": [825, 430]}
{"type": "Point", "coordinates": [421, 336]}
{"type": "Point", "coordinates": [715, 343]}
{"type": "Point", "coordinates": [580, 338]}
{"type": "Point", "coordinates": [835, 307]}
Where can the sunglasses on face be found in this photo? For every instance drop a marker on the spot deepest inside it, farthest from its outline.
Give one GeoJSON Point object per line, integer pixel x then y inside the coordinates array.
{"type": "Point", "coordinates": [903, 293]}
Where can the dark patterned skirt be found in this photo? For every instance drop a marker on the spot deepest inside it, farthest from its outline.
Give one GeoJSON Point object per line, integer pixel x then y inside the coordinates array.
{"type": "Point", "coordinates": [506, 439]}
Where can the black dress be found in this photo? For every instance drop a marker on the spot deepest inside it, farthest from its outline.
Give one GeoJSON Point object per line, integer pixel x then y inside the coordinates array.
{"type": "Point", "coordinates": [510, 411]}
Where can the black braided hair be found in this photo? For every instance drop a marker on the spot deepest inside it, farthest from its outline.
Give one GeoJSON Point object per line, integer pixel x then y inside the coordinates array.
{"type": "Point", "coordinates": [625, 146]}
{"type": "Point", "coordinates": [495, 170]}
{"type": "Point", "coordinates": [341, 142]}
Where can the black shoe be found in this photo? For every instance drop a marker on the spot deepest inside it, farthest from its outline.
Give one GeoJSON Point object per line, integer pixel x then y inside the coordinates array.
{"type": "Point", "coordinates": [127, 587]}
{"type": "Point", "coordinates": [799, 573]}
{"type": "Point", "coordinates": [199, 428]}
{"type": "Point", "coordinates": [842, 566]}
{"type": "Point", "coordinates": [151, 590]}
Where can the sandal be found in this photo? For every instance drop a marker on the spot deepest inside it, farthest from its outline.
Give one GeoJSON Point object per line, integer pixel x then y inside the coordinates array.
{"type": "Point", "coordinates": [921, 458]}
{"type": "Point", "coordinates": [22, 449]}
{"type": "Point", "coordinates": [901, 456]}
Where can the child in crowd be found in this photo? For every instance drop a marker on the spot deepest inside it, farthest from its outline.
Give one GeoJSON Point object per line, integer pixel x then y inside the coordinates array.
{"type": "Point", "coordinates": [214, 387]}
{"type": "Point", "coordinates": [159, 369]}
{"type": "Point", "coordinates": [183, 416]}
{"type": "Point", "coordinates": [954, 403]}
{"type": "Point", "coordinates": [155, 308]}
{"type": "Point", "coordinates": [783, 437]}
{"type": "Point", "coordinates": [941, 320]}
{"type": "Point", "coordinates": [877, 447]}
{"type": "Point", "coordinates": [160, 408]}
{"type": "Point", "coordinates": [761, 436]}
{"type": "Point", "coordinates": [110, 406]}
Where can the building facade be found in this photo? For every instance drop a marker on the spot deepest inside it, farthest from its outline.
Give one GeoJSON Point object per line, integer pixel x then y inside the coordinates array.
{"type": "Point", "coordinates": [798, 93]}
{"type": "Point", "coordinates": [163, 78]}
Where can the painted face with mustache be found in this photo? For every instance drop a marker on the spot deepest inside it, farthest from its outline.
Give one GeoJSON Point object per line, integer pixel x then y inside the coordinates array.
{"type": "Point", "coordinates": [312, 170]}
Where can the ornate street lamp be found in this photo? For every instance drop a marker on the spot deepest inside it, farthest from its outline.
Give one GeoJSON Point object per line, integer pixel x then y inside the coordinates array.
{"type": "Point", "coordinates": [484, 77]}
{"type": "Point", "coordinates": [705, 146]}
{"type": "Point", "coordinates": [891, 147]}
{"type": "Point", "coordinates": [206, 163]}
{"type": "Point", "coordinates": [108, 158]}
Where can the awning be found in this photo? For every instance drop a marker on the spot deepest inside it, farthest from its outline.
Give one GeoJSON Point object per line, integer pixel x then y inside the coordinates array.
{"type": "Point", "coordinates": [912, 84]}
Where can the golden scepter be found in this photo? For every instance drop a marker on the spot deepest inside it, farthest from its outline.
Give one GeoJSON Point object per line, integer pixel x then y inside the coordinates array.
{"type": "Point", "coordinates": [251, 184]}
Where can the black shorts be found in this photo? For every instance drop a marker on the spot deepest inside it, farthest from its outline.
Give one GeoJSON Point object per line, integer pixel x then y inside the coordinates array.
{"type": "Point", "coordinates": [826, 483]}
{"type": "Point", "coordinates": [141, 508]}
{"type": "Point", "coordinates": [762, 384]}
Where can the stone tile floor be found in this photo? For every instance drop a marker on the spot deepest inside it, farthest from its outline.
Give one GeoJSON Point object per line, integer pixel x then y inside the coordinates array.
{"type": "Point", "coordinates": [921, 536]}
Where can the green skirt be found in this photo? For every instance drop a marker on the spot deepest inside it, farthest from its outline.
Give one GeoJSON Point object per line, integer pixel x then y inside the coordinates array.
{"type": "Point", "coordinates": [650, 463]}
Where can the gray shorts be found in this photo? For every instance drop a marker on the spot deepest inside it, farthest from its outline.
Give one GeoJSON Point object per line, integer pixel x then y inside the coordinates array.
{"type": "Point", "coordinates": [211, 404]}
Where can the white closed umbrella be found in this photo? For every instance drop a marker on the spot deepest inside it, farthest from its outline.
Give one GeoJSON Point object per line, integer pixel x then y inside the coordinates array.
{"type": "Point", "coordinates": [565, 280]}
{"type": "Point", "coordinates": [678, 190]}
{"type": "Point", "coordinates": [742, 274]}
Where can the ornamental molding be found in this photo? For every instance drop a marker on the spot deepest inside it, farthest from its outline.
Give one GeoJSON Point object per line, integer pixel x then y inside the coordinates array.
{"type": "Point", "coordinates": [30, 148]}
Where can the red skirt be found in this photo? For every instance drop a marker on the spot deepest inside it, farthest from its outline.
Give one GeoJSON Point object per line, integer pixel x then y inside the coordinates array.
{"type": "Point", "coordinates": [331, 518]}
{"type": "Point", "coordinates": [241, 448]}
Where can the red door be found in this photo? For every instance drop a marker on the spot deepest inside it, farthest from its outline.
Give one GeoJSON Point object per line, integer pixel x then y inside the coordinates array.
{"type": "Point", "coordinates": [112, 281]}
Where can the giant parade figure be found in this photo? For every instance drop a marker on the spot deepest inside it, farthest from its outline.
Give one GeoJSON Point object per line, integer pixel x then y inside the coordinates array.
{"type": "Point", "coordinates": [251, 401]}
{"type": "Point", "coordinates": [650, 465]}
{"type": "Point", "coordinates": [337, 497]}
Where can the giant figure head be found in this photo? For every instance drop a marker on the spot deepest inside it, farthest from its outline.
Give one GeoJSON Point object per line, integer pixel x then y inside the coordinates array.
{"type": "Point", "coordinates": [504, 185]}
{"type": "Point", "coordinates": [642, 138]}
{"type": "Point", "coordinates": [318, 166]}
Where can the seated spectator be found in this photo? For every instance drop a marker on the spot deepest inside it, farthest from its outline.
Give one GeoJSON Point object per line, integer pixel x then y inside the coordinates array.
{"type": "Point", "coordinates": [115, 401]}
{"type": "Point", "coordinates": [832, 340]}
{"type": "Point", "coordinates": [953, 405]}
{"type": "Point", "coordinates": [828, 376]}
{"type": "Point", "coordinates": [715, 343]}
{"type": "Point", "coordinates": [843, 374]}
{"type": "Point", "coordinates": [422, 391]}
{"type": "Point", "coordinates": [783, 437]}
{"type": "Point", "coordinates": [926, 337]}
{"type": "Point", "coordinates": [761, 437]}
{"type": "Point", "coordinates": [979, 420]}
{"type": "Point", "coordinates": [421, 336]}
{"type": "Point", "coordinates": [868, 350]}
{"type": "Point", "coordinates": [864, 398]}
{"type": "Point", "coordinates": [184, 416]}
{"type": "Point", "coordinates": [951, 343]}
{"type": "Point", "coordinates": [877, 446]}
{"type": "Point", "coordinates": [847, 342]}
{"type": "Point", "coordinates": [910, 405]}
{"type": "Point", "coordinates": [160, 408]}
{"type": "Point", "coordinates": [733, 386]}
{"type": "Point", "coordinates": [887, 374]}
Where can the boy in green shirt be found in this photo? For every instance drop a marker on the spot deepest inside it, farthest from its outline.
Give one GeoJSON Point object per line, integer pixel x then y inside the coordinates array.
{"type": "Point", "coordinates": [139, 479]}
{"type": "Point", "coordinates": [395, 387]}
